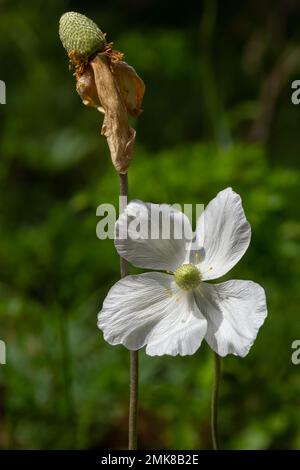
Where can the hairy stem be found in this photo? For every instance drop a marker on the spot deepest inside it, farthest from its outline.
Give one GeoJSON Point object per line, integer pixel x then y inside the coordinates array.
{"type": "Point", "coordinates": [215, 401]}
{"type": "Point", "coordinates": [133, 403]}
{"type": "Point", "coordinates": [134, 364]}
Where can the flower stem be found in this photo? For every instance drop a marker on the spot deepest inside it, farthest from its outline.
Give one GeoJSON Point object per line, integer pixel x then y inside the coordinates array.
{"type": "Point", "coordinates": [215, 401]}
{"type": "Point", "coordinates": [134, 363]}
{"type": "Point", "coordinates": [133, 403]}
{"type": "Point", "coordinates": [123, 204]}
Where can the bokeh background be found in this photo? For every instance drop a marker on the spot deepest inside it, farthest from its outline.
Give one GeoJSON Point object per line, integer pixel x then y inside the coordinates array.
{"type": "Point", "coordinates": [217, 113]}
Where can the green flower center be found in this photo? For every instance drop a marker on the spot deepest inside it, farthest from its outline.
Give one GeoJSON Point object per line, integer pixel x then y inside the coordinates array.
{"type": "Point", "coordinates": [187, 277]}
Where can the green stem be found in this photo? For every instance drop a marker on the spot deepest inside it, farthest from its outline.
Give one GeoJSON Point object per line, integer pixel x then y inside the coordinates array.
{"type": "Point", "coordinates": [134, 362]}
{"type": "Point", "coordinates": [133, 402]}
{"type": "Point", "coordinates": [215, 401]}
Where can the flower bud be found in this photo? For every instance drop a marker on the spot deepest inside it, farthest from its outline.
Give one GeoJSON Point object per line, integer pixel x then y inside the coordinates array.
{"type": "Point", "coordinates": [80, 35]}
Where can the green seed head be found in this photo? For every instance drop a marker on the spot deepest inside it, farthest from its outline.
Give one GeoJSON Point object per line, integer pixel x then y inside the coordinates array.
{"type": "Point", "coordinates": [80, 35]}
{"type": "Point", "coordinates": [187, 277]}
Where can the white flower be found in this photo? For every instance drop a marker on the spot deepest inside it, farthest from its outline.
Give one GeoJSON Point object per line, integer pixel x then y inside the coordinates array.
{"type": "Point", "coordinates": [172, 312]}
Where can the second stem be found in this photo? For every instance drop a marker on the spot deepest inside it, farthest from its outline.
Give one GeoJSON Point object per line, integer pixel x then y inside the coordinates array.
{"type": "Point", "coordinates": [215, 401]}
{"type": "Point", "coordinates": [134, 363]}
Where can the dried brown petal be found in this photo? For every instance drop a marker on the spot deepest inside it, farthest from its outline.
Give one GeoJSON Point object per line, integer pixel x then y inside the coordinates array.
{"type": "Point", "coordinates": [131, 87]}
{"type": "Point", "coordinates": [120, 136]}
{"type": "Point", "coordinates": [87, 90]}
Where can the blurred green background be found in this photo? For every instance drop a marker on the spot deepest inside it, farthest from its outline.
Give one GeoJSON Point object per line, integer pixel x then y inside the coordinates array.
{"type": "Point", "coordinates": [217, 113]}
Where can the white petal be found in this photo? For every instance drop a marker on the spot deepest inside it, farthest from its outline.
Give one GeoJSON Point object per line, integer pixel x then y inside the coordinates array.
{"type": "Point", "coordinates": [149, 309]}
{"type": "Point", "coordinates": [150, 243]}
{"type": "Point", "coordinates": [235, 310]}
{"type": "Point", "coordinates": [223, 235]}
{"type": "Point", "coordinates": [181, 332]}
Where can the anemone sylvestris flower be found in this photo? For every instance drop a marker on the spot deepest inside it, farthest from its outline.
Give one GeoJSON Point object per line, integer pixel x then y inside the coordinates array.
{"type": "Point", "coordinates": [171, 312]}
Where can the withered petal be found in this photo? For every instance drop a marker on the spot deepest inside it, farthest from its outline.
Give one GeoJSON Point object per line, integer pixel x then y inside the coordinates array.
{"type": "Point", "coordinates": [120, 136]}
{"type": "Point", "coordinates": [131, 87]}
{"type": "Point", "coordinates": [86, 88]}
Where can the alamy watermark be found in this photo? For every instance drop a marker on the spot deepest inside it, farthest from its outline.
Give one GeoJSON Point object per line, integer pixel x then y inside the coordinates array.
{"type": "Point", "coordinates": [149, 221]}
{"type": "Point", "coordinates": [2, 92]}
{"type": "Point", "coordinates": [295, 358]}
{"type": "Point", "coordinates": [2, 352]}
